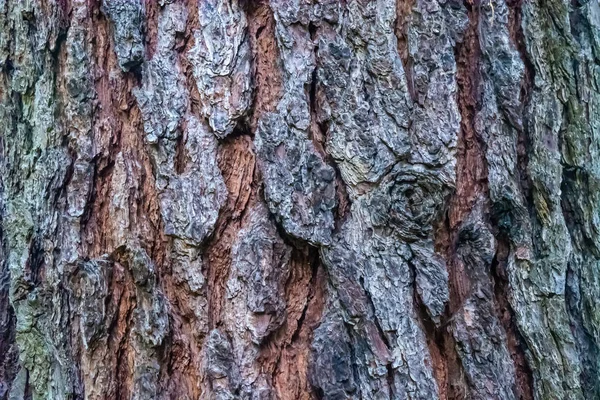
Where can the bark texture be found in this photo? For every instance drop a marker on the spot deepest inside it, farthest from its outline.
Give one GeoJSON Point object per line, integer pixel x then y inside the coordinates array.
{"type": "Point", "coordinates": [299, 199]}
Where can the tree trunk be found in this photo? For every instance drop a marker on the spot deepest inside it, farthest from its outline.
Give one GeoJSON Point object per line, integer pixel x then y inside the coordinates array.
{"type": "Point", "coordinates": [300, 199]}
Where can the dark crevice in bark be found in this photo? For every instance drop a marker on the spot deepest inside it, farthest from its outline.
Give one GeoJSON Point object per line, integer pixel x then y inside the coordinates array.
{"type": "Point", "coordinates": [35, 266]}
{"type": "Point", "coordinates": [294, 242]}
{"type": "Point", "coordinates": [315, 262]}
{"type": "Point", "coordinates": [353, 355]}
{"type": "Point", "coordinates": [267, 72]}
{"type": "Point", "coordinates": [390, 378]}
{"type": "Point", "coordinates": [318, 134]}
{"type": "Point", "coordinates": [471, 185]}
{"type": "Point", "coordinates": [319, 393]}
{"type": "Point", "coordinates": [186, 42]}
{"type": "Point", "coordinates": [291, 344]}
{"type": "Point", "coordinates": [318, 131]}
{"type": "Point", "coordinates": [403, 10]}
{"type": "Point", "coordinates": [259, 32]}
{"type": "Point", "coordinates": [314, 132]}
{"type": "Point", "coordinates": [123, 386]}
{"type": "Point", "coordinates": [471, 166]}
{"type": "Point", "coordinates": [237, 163]}
{"type": "Point", "coordinates": [28, 389]}
{"type": "Point", "coordinates": [516, 33]}
{"type": "Point", "coordinates": [343, 199]}
{"type": "Point", "coordinates": [380, 330]}
{"type": "Point", "coordinates": [506, 315]}
{"type": "Point", "coordinates": [515, 341]}
{"type": "Point", "coordinates": [384, 337]}
{"type": "Point", "coordinates": [180, 152]}
{"type": "Point", "coordinates": [440, 357]}
{"type": "Point", "coordinates": [312, 31]}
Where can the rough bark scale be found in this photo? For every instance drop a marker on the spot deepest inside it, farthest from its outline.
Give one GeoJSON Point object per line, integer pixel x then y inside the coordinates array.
{"type": "Point", "coordinates": [298, 199]}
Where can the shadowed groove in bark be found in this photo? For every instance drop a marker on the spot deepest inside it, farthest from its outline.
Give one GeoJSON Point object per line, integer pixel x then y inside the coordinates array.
{"type": "Point", "coordinates": [506, 314]}
{"type": "Point", "coordinates": [470, 185]}
{"type": "Point", "coordinates": [236, 158]}
{"type": "Point", "coordinates": [518, 39]}
{"type": "Point", "coordinates": [318, 133]}
{"type": "Point", "coordinates": [403, 10]}
{"type": "Point", "coordinates": [261, 27]}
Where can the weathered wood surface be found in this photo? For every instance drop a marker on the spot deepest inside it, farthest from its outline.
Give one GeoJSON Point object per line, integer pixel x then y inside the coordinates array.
{"type": "Point", "coordinates": [299, 199]}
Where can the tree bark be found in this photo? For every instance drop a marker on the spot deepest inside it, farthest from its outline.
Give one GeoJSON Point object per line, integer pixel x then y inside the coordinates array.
{"type": "Point", "coordinates": [300, 199]}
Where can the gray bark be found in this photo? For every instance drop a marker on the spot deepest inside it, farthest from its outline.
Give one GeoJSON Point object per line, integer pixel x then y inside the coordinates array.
{"type": "Point", "coordinates": [299, 199]}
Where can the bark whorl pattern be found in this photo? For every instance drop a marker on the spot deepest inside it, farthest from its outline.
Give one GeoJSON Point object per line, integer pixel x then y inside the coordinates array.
{"type": "Point", "coordinates": [299, 199]}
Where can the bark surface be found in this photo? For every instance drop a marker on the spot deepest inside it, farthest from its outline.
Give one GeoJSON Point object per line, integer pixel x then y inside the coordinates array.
{"type": "Point", "coordinates": [299, 199]}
